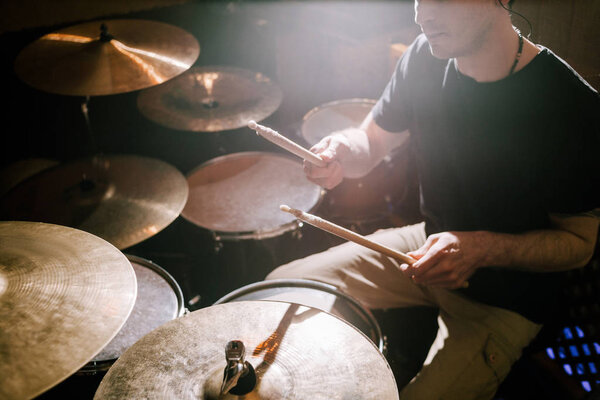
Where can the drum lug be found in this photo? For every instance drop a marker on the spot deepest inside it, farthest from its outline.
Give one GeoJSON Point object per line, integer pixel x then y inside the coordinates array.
{"type": "Point", "coordinates": [384, 346]}
{"type": "Point", "coordinates": [297, 233]}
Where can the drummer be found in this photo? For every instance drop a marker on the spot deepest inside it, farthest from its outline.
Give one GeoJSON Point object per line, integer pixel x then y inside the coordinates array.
{"type": "Point", "coordinates": [505, 135]}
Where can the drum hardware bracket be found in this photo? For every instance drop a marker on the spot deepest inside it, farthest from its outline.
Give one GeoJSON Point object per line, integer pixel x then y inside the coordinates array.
{"type": "Point", "coordinates": [239, 377]}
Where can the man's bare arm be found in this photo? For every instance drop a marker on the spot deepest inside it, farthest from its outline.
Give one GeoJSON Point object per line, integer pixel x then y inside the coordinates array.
{"type": "Point", "coordinates": [448, 259]}
{"type": "Point", "coordinates": [570, 244]}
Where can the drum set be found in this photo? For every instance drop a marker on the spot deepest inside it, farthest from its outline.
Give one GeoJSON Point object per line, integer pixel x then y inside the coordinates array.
{"type": "Point", "coordinates": [73, 303]}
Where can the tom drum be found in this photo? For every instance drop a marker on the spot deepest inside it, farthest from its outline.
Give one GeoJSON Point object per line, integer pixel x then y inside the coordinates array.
{"type": "Point", "coordinates": [373, 197]}
{"type": "Point", "coordinates": [237, 196]}
{"type": "Point", "coordinates": [159, 300]}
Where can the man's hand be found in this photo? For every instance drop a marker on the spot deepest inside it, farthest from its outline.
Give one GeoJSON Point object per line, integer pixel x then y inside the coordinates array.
{"type": "Point", "coordinates": [332, 149]}
{"type": "Point", "coordinates": [352, 152]}
{"type": "Point", "coordinates": [447, 259]}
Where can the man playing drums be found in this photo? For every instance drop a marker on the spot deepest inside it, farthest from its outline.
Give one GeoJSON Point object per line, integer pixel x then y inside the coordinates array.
{"type": "Point", "coordinates": [505, 135]}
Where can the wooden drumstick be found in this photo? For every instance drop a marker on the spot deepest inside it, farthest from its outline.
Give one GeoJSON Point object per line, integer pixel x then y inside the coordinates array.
{"type": "Point", "coordinates": [285, 143]}
{"type": "Point", "coordinates": [347, 234]}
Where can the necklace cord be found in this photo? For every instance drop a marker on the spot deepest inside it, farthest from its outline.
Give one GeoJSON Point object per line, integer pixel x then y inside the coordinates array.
{"type": "Point", "coordinates": [517, 56]}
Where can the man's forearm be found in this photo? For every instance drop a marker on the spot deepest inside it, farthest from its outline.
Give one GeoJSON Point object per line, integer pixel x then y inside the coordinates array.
{"type": "Point", "coordinates": [569, 246]}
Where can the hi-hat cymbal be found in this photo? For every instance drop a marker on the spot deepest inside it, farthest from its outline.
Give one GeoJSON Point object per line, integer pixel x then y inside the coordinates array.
{"type": "Point", "coordinates": [107, 57]}
{"type": "Point", "coordinates": [296, 352]}
{"type": "Point", "coordinates": [123, 199]}
{"type": "Point", "coordinates": [64, 294]}
{"type": "Point", "coordinates": [211, 99]}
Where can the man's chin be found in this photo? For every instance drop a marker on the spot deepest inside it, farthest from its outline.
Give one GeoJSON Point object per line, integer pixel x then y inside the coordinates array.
{"type": "Point", "coordinates": [438, 52]}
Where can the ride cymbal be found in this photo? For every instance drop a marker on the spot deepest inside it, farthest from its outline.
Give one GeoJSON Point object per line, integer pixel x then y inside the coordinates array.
{"type": "Point", "coordinates": [211, 99]}
{"type": "Point", "coordinates": [295, 352]}
{"type": "Point", "coordinates": [64, 294]}
{"type": "Point", "coordinates": [123, 199]}
{"type": "Point", "coordinates": [107, 57]}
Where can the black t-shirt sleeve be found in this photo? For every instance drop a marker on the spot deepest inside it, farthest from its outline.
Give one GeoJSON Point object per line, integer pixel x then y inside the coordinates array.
{"type": "Point", "coordinates": [392, 110]}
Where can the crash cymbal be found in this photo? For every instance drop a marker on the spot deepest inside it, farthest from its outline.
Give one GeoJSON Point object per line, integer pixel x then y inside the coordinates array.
{"type": "Point", "coordinates": [64, 294]}
{"type": "Point", "coordinates": [123, 199]}
{"type": "Point", "coordinates": [107, 57]}
{"type": "Point", "coordinates": [211, 99]}
{"type": "Point", "coordinates": [295, 352]}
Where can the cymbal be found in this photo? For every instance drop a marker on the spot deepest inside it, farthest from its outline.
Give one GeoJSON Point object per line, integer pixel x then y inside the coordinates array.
{"type": "Point", "coordinates": [211, 99]}
{"type": "Point", "coordinates": [13, 174]}
{"type": "Point", "coordinates": [64, 294]}
{"type": "Point", "coordinates": [107, 57]}
{"type": "Point", "coordinates": [123, 199]}
{"type": "Point", "coordinates": [297, 352]}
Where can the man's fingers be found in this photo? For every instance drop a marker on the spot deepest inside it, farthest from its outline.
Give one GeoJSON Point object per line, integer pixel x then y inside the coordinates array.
{"type": "Point", "coordinates": [327, 177]}
{"type": "Point", "coordinates": [330, 170]}
{"type": "Point", "coordinates": [428, 261]}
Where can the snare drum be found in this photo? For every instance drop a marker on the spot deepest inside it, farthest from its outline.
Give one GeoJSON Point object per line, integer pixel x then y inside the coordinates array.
{"type": "Point", "coordinates": [368, 199]}
{"type": "Point", "coordinates": [313, 294]}
{"type": "Point", "coordinates": [159, 300]}
{"type": "Point", "coordinates": [237, 196]}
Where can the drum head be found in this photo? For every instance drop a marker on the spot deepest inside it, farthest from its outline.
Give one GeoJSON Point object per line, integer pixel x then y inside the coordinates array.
{"type": "Point", "coordinates": [316, 295]}
{"type": "Point", "coordinates": [334, 116]}
{"type": "Point", "coordinates": [238, 195]}
{"type": "Point", "coordinates": [158, 301]}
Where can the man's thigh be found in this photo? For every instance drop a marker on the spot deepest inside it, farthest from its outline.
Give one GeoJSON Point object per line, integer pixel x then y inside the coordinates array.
{"type": "Point", "coordinates": [373, 279]}
{"type": "Point", "coordinates": [473, 352]}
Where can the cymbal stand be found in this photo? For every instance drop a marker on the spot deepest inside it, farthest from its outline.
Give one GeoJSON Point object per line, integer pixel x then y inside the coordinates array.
{"type": "Point", "coordinates": [90, 133]}
{"type": "Point", "coordinates": [92, 186]}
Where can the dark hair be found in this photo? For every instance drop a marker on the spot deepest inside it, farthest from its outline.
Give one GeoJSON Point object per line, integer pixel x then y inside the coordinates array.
{"type": "Point", "coordinates": [510, 3]}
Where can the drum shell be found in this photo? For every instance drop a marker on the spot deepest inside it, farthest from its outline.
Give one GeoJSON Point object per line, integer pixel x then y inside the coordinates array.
{"type": "Point", "coordinates": [317, 295]}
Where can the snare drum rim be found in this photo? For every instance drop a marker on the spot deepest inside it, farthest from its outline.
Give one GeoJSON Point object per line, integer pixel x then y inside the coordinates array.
{"type": "Point", "coordinates": [314, 110]}
{"type": "Point", "coordinates": [259, 234]}
{"type": "Point", "coordinates": [306, 283]}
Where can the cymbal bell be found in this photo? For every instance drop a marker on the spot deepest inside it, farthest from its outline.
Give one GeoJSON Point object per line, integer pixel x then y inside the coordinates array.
{"type": "Point", "coordinates": [107, 57]}
{"type": "Point", "coordinates": [296, 352]}
{"type": "Point", "coordinates": [123, 199]}
{"type": "Point", "coordinates": [64, 294]}
{"type": "Point", "coordinates": [211, 99]}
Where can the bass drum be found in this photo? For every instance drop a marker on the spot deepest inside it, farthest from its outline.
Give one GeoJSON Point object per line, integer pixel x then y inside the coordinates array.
{"type": "Point", "coordinates": [381, 195]}
{"type": "Point", "coordinates": [313, 294]}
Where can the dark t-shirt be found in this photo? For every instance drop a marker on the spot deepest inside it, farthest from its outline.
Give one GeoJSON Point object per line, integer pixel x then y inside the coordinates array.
{"type": "Point", "coordinates": [497, 156]}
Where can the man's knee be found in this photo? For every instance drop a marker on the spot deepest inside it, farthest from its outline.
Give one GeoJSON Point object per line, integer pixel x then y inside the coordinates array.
{"type": "Point", "coordinates": [292, 270]}
{"type": "Point", "coordinates": [279, 273]}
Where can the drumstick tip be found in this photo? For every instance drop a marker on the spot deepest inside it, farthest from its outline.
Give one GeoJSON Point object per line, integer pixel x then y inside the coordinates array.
{"type": "Point", "coordinates": [285, 208]}
{"type": "Point", "coordinates": [252, 124]}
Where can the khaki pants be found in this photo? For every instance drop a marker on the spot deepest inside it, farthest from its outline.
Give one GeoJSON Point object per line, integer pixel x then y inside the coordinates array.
{"type": "Point", "coordinates": [476, 344]}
